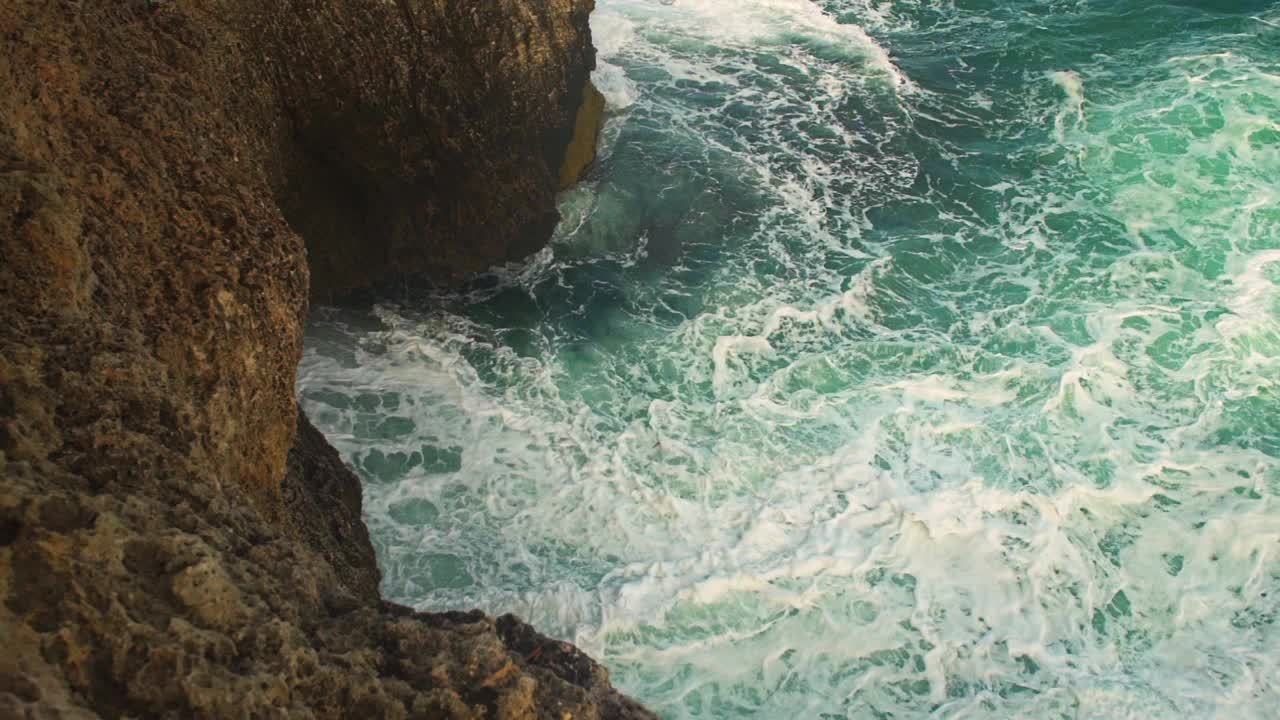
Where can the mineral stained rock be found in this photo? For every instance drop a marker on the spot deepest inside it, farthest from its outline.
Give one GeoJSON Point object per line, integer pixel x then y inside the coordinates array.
{"type": "Point", "coordinates": [581, 153]}
{"type": "Point", "coordinates": [174, 540]}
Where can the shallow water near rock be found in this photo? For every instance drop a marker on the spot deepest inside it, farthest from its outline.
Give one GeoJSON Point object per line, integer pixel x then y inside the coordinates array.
{"type": "Point", "coordinates": [898, 359]}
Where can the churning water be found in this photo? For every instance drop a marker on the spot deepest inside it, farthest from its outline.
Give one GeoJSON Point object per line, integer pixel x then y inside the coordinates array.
{"type": "Point", "coordinates": [899, 359]}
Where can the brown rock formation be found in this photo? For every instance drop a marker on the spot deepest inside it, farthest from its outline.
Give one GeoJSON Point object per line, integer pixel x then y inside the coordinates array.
{"type": "Point", "coordinates": [581, 153]}
{"type": "Point", "coordinates": [173, 541]}
{"type": "Point", "coordinates": [416, 111]}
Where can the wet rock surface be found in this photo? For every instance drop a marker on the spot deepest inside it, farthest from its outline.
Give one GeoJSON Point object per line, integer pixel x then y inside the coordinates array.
{"type": "Point", "coordinates": [174, 540]}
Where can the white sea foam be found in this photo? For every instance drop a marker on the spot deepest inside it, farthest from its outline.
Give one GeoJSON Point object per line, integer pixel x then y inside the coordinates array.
{"type": "Point", "coordinates": [1072, 112]}
{"type": "Point", "coordinates": [1007, 450]}
{"type": "Point", "coordinates": [740, 24]}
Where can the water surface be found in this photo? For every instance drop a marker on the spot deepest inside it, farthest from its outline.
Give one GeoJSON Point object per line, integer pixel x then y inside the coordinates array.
{"type": "Point", "coordinates": [898, 359]}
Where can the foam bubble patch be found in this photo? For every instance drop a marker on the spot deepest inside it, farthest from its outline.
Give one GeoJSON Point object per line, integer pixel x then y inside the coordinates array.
{"type": "Point", "coordinates": [898, 359]}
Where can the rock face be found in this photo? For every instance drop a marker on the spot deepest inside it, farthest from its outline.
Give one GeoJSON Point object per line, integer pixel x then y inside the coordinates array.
{"type": "Point", "coordinates": [174, 540]}
{"type": "Point", "coordinates": [416, 111]}
{"type": "Point", "coordinates": [581, 153]}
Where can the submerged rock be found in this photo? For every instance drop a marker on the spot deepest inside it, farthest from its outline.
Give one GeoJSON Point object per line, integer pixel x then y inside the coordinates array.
{"type": "Point", "coordinates": [174, 541]}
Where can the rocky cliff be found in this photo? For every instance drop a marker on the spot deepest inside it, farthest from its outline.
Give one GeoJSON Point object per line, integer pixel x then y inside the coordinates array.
{"type": "Point", "coordinates": [174, 539]}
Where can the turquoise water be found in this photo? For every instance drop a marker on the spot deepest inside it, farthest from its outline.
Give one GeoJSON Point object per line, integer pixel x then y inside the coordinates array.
{"type": "Point", "coordinates": [899, 359]}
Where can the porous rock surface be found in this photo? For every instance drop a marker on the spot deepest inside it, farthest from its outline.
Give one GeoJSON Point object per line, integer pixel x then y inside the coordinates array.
{"type": "Point", "coordinates": [175, 541]}
{"type": "Point", "coordinates": [407, 122]}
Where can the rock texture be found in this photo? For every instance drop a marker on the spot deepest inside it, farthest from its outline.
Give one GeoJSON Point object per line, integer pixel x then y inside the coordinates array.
{"type": "Point", "coordinates": [416, 111]}
{"type": "Point", "coordinates": [174, 540]}
{"type": "Point", "coordinates": [581, 153]}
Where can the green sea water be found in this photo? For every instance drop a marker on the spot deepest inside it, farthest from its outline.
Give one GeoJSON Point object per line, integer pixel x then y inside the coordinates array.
{"type": "Point", "coordinates": [902, 359]}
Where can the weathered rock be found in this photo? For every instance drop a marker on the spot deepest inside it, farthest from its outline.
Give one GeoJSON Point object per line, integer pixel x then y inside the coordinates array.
{"type": "Point", "coordinates": [410, 115]}
{"type": "Point", "coordinates": [322, 501]}
{"type": "Point", "coordinates": [166, 547]}
{"type": "Point", "coordinates": [581, 153]}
